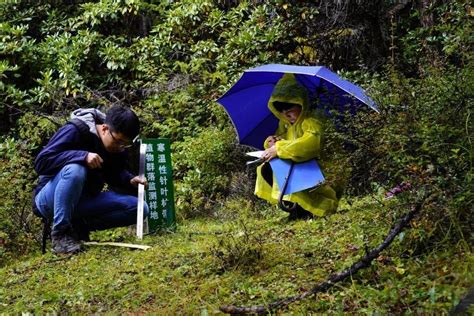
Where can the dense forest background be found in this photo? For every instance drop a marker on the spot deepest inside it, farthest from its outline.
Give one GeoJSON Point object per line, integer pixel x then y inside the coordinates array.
{"type": "Point", "coordinates": [171, 60]}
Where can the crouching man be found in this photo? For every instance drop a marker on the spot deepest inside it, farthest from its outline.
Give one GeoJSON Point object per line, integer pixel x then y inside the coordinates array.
{"type": "Point", "coordinates": [81, 157]}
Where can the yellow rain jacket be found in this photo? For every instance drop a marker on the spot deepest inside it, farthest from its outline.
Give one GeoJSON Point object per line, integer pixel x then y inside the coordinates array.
{"type": "Point", "coordinates": [301, 141]}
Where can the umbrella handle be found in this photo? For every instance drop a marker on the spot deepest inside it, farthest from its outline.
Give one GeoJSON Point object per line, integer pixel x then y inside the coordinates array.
{"type": "Point", "coordinates": [281, 203]}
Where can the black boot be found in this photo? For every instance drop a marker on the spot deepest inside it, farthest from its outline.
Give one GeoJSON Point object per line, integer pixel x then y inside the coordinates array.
{"type": "Point", "coordinates": [299, 213]}
{"type": "Point", "coordinates": [64, 241]}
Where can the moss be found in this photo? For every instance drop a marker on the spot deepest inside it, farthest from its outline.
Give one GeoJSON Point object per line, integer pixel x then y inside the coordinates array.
{"type": "Point", "coordinates": [182, 272]}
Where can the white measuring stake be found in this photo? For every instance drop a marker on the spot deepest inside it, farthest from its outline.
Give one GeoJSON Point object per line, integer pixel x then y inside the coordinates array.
{"type": "Point", "coordinates": [141, 192]}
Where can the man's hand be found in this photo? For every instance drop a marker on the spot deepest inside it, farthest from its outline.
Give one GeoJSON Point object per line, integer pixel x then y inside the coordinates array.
{"type": "Point", "coordinates": [138, 180]}
{"type": "Point", "coordinates": [94, 161]}
{"type": "Point", "coordinates": [269, 154]}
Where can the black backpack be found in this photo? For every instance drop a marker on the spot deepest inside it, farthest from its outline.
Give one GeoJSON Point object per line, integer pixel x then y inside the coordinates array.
{"type": "Point", "coordinates": [83, 129]}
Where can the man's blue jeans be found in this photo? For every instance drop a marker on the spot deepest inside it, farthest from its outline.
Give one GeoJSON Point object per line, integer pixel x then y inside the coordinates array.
{"type": "Point", "coordinates": [62, 200]}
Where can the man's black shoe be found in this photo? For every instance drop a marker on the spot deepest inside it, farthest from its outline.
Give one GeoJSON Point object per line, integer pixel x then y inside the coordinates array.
{"type": "Point", "coordinates": [83, 235]}
{"type": "Point", "coordinates": [81, 231]}
{"type": "Point", "coordinates": [64, 243]}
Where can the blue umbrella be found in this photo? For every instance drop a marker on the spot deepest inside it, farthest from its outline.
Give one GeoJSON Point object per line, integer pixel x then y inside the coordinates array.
{"type": "Point", "coordinates": [246, 102]}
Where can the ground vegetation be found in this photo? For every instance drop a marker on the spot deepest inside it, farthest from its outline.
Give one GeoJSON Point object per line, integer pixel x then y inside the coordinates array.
{"type": "Point", "coordinates": [170, 61]}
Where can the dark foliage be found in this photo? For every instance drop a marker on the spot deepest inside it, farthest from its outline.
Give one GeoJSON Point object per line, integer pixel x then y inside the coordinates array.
{"type": "Point", "coordinates": [170, 61]}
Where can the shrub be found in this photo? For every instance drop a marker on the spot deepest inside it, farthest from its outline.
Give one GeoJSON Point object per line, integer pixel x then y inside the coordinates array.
{"type": "Point", "coordinates": [19, 228]}
{"type": "Point", "coordinates": [18, 225]}
{"type": "Point", "coordinates": [422, 137]}
{"type": "Point", "coordinates": [242, 251]}
{"type": "Point", "coordinates": [203, 165]}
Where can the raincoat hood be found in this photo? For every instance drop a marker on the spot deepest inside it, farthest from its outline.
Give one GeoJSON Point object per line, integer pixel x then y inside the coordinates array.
{"type": "Point", "coordinates": [89, 116]}
{"type": "Point", "coordinates": [289, 90]}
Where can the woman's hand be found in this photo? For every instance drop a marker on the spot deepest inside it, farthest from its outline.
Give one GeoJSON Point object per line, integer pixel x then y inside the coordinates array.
{"type": "Point", "coordinates": [138, 180]}
{"type": "Point", "coordinates": [269, 154]}
{"type": "Point", "coordinates": [271, 140]}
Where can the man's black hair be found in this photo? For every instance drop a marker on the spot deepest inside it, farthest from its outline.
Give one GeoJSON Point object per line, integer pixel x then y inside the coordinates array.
{"type": "Point", "coordinates": [121, 119]}
{"type": "Point", "coordinates": [282, 106]}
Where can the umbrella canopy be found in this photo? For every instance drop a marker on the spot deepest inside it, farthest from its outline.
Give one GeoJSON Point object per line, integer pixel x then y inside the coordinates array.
{"type": "Point", "coordinates": [246, 102]}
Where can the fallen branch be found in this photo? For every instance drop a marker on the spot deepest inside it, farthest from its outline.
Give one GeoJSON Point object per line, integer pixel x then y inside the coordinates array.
{"type": "Point", "coordinates": [333, 278]}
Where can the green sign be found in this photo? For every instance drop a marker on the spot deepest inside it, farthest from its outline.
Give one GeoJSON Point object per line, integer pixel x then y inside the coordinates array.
{"type": "Point", "coordinates": [159, 194]}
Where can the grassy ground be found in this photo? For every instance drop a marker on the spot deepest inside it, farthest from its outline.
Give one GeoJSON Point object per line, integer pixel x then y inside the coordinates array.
{"type": "Point", "coordinates": [245, 260]}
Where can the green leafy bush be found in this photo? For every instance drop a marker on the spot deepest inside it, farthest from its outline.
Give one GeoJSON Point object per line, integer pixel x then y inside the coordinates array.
{"type": "Point", "coordinates": [18, 227]}
{"type": "Point", "coordinates": [170, 61]}
{"type": "Point", "coordinates": [203, 165]}
{"type": "Point", "coordinates": [422, 137]}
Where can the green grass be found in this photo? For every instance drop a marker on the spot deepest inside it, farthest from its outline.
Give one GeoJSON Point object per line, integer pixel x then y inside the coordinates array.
{"type": "Point", "coordinates": [245, 260]}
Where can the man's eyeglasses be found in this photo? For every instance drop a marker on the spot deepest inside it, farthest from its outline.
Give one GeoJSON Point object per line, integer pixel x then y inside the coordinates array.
{"type": "Point", "coordinates": [120, 143]}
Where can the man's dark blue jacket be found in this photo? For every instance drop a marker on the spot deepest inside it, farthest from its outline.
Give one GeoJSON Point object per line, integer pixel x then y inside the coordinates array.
{"type": "Point", "coordinates": [68, 146]}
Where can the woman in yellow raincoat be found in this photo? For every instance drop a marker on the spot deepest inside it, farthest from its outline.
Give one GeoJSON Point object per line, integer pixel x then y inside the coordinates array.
{"type": "Point", "coordinates": [299, 138]}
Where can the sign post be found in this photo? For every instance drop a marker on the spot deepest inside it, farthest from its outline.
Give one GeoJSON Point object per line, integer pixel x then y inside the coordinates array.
{"type": "Point", "coordinates": [141, 192]}
{"type": "Point", "coordinates": [160, 191]}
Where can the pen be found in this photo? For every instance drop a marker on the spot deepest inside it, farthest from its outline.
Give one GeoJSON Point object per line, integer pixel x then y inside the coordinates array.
{"type": "Point", "coordinates": [257, 161]}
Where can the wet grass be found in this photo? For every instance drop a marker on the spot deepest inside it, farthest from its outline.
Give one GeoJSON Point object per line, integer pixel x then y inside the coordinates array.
{"type": "Point", "coordinates": [245, 260]}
